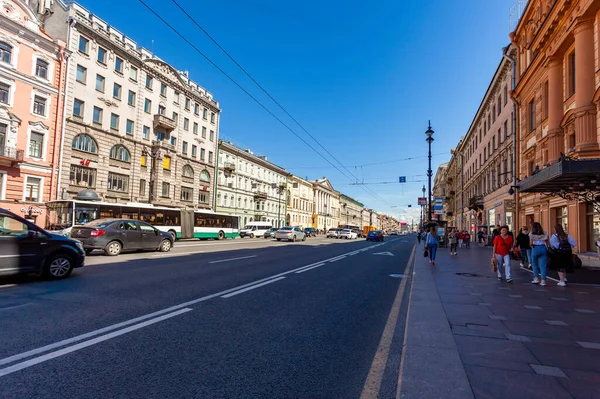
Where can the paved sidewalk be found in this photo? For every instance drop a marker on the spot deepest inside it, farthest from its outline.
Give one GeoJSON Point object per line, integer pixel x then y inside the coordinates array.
{"type": "Point", "coordinates": [469, 335]}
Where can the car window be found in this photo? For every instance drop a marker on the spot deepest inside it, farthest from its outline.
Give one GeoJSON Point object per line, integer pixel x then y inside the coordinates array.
{"type": "Point", "coordinates": [12, 227]}
{"type": "Point", "coordinates": [100, 223]}
{"type": "Point", "coordinates": [127, 226]}
{"type": "Point", "coordinates": [146, 227]}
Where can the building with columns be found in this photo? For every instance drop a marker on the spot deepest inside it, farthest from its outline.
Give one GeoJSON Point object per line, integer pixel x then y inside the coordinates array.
{"type": "Point", "coordinates": [558, 90]}
{"type": "Point", "coordinates": [300, 197]}
{"type": "Point", "coordinates": [327, 205]}
{"type": "Point", "coordinates": [351, 211]}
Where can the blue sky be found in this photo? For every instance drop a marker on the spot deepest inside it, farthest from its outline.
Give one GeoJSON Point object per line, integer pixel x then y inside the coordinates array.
{"type": "Point", "coordinates": [363, 79]}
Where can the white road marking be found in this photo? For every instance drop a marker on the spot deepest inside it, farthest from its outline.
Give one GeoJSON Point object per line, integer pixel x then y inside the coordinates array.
{"type": "Point", "coordinates": [64, 351]}
{"type": "Point", "coordinates": [310, 268]}
{"type": "Point", "coordinates": [8, 285]}
{"type": "Point", "coordinates": [230, 259]}
{"type": "Point", "coordinates": [251, 288]}
{"type": "Point", "coordinates": [337, 258]}
{"type": "Point", "coordinates": [170, 254]}
{"type": "Point", "coordinates": [384, 253]}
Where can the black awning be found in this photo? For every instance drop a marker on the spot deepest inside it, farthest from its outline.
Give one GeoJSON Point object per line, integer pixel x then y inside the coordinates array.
{"type": "Point", "coordinates": [570, 175]}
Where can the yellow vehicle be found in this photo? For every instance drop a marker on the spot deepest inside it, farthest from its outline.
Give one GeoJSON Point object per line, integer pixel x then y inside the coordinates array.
{"type": "Point", "coordinates": [366, 230]}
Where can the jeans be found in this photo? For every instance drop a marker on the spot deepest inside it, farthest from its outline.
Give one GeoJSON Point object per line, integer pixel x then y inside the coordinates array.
{"type": "Point", "coordinates": [452, 248]}
{"type": "Point", "coordinates": [432, 250]}
{"type": "Point", "coordinates": [539, 260]}
{"type": "Point", "coordinates": [526, 256]}
{"type": "Point", "coordinates": [504, 260]}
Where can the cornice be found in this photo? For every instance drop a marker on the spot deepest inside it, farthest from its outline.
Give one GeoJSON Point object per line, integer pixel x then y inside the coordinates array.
{"type": "Point", "coordinates": [226, 147]}
{"type": "Point", "coordinates": [34, 38]}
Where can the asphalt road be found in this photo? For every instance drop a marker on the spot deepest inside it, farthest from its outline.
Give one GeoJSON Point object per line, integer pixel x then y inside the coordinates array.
{"type": "Point", "coordinates": [233, 319]}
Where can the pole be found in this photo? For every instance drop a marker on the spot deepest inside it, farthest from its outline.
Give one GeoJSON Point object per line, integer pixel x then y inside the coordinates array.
{"type": "Point", "coordinates": [279, 210]}
{"type": "Point", "coordinates": [429, 174]}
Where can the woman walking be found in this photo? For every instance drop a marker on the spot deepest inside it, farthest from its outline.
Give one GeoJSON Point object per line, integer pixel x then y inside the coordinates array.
{"type": "Point", "coordinates": [452, 238]}
{"type": "Point", "coordinates": [431, 241]}
{"type": "Point", "coordinates": [562, 255]}
{"type": "Point", "coordinates": [525, 247]}
{"type": "Point", "coordinates": [538, 240]}
{"type": "Point", "coordinates": [502, 246]}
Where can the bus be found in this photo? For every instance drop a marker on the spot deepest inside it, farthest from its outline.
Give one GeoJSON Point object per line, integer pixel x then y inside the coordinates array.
{"type": "Point", "coordinates": [181, 223]}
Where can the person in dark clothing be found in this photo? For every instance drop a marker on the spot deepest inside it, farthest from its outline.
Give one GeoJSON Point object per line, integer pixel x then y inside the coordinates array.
{"type": "Point", "coordinates": [523, 244]}
{"type": "Point", "coordinates": [419, 237]}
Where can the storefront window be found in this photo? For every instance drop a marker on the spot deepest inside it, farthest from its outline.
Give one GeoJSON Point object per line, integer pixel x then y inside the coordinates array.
{"type": "Point", "coordinates": [593, 222]}
{"type": "Point", "coordinates": [509, 220]}
{"type": "Point", "coordinates": [491, 219]}
{"type": "Point", "coordinates": [561, 218]}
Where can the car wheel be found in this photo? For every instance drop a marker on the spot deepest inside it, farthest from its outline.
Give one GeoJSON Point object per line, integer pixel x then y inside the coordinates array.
{"type": "Point", "coordinates": [165, 246]}
{"type": "Point", "coordinates": [173, 234]}
{"type": "Point", "coordinates": [251, 235]}
{"type": "Point", "coordinates": [294, 238]}
{"type": "Point", "coordinates": [58, 266]}
{"type": "Point", "coordinates": [113, 248]}
{"type": "Point", "coordinates": [88, 251]}
{"type": "Point", "coordinates": [279, 239]}
{"type": "Point", "coordinates": [221, 235]}
{"type": "Point", "coordinates": [304, 238]}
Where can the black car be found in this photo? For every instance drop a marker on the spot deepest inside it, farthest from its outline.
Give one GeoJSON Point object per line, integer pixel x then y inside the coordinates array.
{"type": "Point", "coordinates": [27, 248]}
{"type": "Point", "coordinates": [115, 235]}
{"type": "Point", "coordinates": [310, 231]}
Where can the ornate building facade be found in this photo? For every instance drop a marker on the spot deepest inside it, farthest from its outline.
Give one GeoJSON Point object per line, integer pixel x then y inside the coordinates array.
{"type": "Point", "coordinates": [351, 211]}
{"type": "Point", "coordinates": [300, 197]}
{"type": "Point", "coordinates": [327, 205]}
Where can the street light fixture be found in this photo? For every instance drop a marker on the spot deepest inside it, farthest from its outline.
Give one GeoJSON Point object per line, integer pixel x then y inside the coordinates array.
{"type": "Point", "coordinates": [429, 140]}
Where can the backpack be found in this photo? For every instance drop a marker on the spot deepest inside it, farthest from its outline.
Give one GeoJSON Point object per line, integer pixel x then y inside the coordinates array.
{"type": "Point", "coordinates": [564, 246]}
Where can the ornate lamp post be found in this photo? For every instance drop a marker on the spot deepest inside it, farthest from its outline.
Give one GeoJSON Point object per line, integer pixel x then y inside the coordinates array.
{"type": "Point", "coordinates": [423, 209]}
{"type": "Point", "coordinates": [429, 140]}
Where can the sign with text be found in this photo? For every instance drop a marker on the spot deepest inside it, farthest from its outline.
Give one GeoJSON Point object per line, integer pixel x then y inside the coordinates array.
{"type": "Point", "coordinates": [422, 201]}
{"type": "Point", "coordinates": [402, 179]}
{"type": "Point", "coordinates": [438, 203]}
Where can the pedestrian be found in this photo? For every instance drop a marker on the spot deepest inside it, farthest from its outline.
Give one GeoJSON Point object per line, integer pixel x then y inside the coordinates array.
{"type": "Point", "coordinates": [452, 240]}
{"type": "Point", "coordinates": [480, 236]}
{"type": "Point", "coordinates": [524, 246]}
{"type": "Point", "coordinates": [538, 240]}
{"type": "Point", "coordinates": [459, 235]}
{"type": "Point", "coordinates": [598, 246]}
{"type": "Point", "coordinates": [431, 241]}
{"type": "Point", "coordinates": [502, 246]}
{"type": "Point", "coordinates": [419, 237]}
{"type": "Point", "coordinates": [467, 239]}
{"type": "Point", "coordinates": [562, 245]}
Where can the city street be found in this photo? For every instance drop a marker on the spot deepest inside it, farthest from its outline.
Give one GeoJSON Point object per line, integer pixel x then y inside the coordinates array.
{"type": "Point", "coordinates": [229, 319]}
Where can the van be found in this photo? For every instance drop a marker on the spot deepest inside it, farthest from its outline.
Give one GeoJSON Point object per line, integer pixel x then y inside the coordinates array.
{"type": "Point", "coordinates": [255, 229]}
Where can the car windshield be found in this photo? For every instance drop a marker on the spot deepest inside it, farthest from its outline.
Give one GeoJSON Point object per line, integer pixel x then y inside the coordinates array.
{"type": "Point", "coordinates": [285, 229]}
{"type": "Point", "coordinates": [346, 231]}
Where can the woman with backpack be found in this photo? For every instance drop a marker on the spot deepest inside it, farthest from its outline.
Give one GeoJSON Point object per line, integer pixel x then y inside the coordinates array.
{"type": "Point", "coordinates": [524, 246]}
{"type": "Point", "coordinates": [538, 240]}
{"type": "Point", "coordinates": [431, 242]}
{"type": "Point", "coordinates": [562, 245]}
{"type": "Point", "coordinates": [503, 244]}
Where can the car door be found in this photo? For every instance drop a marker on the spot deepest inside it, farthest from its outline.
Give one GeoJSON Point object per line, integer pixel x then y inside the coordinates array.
{"type": "Point", "coordinates": [130, 234]}
{"type": "Point", "coordinates": [150, 236]}
{"type": "Point", "coordinates": [20, 246]}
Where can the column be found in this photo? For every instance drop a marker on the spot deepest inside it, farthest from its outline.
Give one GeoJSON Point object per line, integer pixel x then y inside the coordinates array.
{"type": "Point", "coordinates": [555, 108]}
{"type": "Point", "coordinates": [585, 113]}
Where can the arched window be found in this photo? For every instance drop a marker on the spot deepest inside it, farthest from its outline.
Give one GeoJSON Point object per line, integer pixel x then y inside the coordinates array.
{"type": "Point", "coordinates": [187, 171]}
{"type": "Point", "coordinates": [204, 176]}
{"type": "Point", "coordinates": [85, 142]}
{"type": "Point", "coordinates": [6, 52]}
{"type": "Point", "coordinates": [120, 153]}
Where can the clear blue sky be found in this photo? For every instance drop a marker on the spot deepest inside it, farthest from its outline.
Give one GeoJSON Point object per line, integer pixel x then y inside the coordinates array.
{"type": "Point", "coordinates": [363, 79]}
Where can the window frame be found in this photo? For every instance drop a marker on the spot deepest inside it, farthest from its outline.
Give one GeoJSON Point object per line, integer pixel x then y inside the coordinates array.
{"type": "Point", "coordinates": [49, 70]}
{"type": "Point", "coordinates": [119, 150]}
{"type": "Point", "coordinates": [117, 175]}
{"type": "Point", "coordinates": [189, 190]}
{"type": "Point", "coordinates": [40, 188]}
{"type": "Point", "coordinates": [92, 172]}
{"type": "Point", "coordinates": [119, 70]}
{"type": "Point", "coordinates": [94, 121]}
{"type": "Point", "coordinates": [81, 108]}
{"type": "Point", "coordinates": [92, 140]}
{"type": "Point", "coordinates": [85, 70]}
{"type": "Point", "coordinates": [120, 91]}
{"type": "Point", "coordinates": [116, 118]}
{"type": "Point", "coordinates": [86, 51]}
{"type": "Point", "coordinates": [147, 105]}
{"type": "Point", "coordinates": [10, 93]}
{"type": "Point", "coordinates": [47, 99]}
{"type": "Point", "coordinates": [103, 60]}
{"type": "Point", "coordinates": [30, 134]}
{"type": "Point", "coordinates": [129, 127]}
{"type": "Point", "coordinates": [130, 97]}
{"type": "Point", "coordinates": [103, 80]}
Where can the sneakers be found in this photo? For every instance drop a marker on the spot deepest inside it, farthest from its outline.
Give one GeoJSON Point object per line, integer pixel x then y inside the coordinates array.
{"type": "Point", "coordinates": [565, 280]}
{"type": "Point", "coordinates": [521, 264]}
{"type": "Point", "coordinates": [535, 281]}
{"type": "Point", "coordinates": [500, 278]}
{"type": "Point", "coordinates": [543, 283]}
{"type": "Point", "coordinates": [509, 280]}
{"type": "Point", "coordinates": [561, 284]}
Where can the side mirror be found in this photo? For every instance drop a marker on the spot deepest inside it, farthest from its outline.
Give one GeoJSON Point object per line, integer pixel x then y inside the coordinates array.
{"type": "Point", "coordinates": [33, 234]}
{"type": "Point", "coordinates": [156, 232]}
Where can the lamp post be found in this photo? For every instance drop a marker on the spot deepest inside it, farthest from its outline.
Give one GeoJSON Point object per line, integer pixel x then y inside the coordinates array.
{"type": "Point", "coordinates": [423, 210]}
{"type": "Point", "coordinates": [429, 140]}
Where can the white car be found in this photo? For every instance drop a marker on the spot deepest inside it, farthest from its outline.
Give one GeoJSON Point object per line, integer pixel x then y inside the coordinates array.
{"type": "Point", "coordinates": [348, 234]}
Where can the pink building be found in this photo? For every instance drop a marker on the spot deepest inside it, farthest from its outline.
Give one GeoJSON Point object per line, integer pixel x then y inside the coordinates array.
{"type": "Point", "coordinates": [31, 72]}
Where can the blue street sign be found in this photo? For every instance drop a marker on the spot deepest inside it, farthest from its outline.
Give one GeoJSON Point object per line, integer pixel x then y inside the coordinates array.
{"type": "Point", "coordinates": [402, 179]}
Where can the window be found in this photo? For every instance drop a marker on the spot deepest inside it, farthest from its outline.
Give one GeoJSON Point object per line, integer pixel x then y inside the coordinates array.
{"type": "Point", "coordinates": [118, 182]}
{"type": "Point", "coordinates": [114, 121]}
{"type": "Point", "coordinates": [129, 127]}
{"type": "Point", "coordinates": [187, 104]}
{"type": "Point", "coordinates": [194, 151]}
{"type": "Point", "coordinates": [499, 105]}
{"type": "Point", "coordinates": [493, 143]}
{"type": "Point", "coordinates": [175, 117]}
{"type": "Point", "coordinates": [6, 52]}
{"type": "Point", "coordinates": [204, 113]}
{"type": "Point", "coordinates": [505, 94]}
{"type": "Point", "coordinates": [571, 73]}
{"type": "Point", "coordinates": [202, 198]}
{"type": "Point", "coordinates": [532, 115]}
{"type": "Point", "coordinates": [97, 116]}
{"type": "Point", "coordinates": [149, 82]}
{"type": "Point", "coordinates": [212, 136]}
{"type": "Point", "coordinates": [195, 128]}
{"type": "Point", "coordinates": [161, 109]}
{"type": "Point", "coordinates": [78, 108]}
{"type": "Point", "coordinates": [131, 98]}
{"type": "Point", "coordinates": [36, 145]}
{"type": "Point", "coordinates": [210, 157]}
{"type": "Point", "coordinates": [84, 45]}
{"type": "Point", "coordinates": [184, 147]}
{"type": "Point", "coordinates": [205, 176]}
{"type": "Point", "coordinates": [166, 189]}
{"type": "Point", "coordinates": [187, 171]}
{"type": "Point", "coordinates": [196, 109]}
{"type": "Point", "coordinates": [186, 124]}
{"type": "Point", "coordinates": [100, 83]}
{"type": "Point", "coordinates": [117, 91]}
{"type": "Point", "coordinates": [82, 176]}
{"type": "Point", "coordinates": [4, 93]}
{"type": "Point", "coordinates": [546, 100]}
{"type": "Point", "coordinates": [173, 140]}
{"type": "Point", "coordinates": [203, 132]}
{"type": "Point", "coordinates": [120, 153]}
{"type": "Point", "coordinates": [145, 132]}
{"type": "Point", "coordinates": [202, 154]}
{"type": "Point", "coordinates": [147, 106]}
{"type": "Point", "coordinates": [562, 217]}
{"type": "Point", "coordinates": [41, 69]}
{"type": "Point", "coordinates": [32, 189]}
{"type": "Point", "coordinates": [102, 55]}
{"type": "Point", "coordinates": [133, 73]}
{"type": "Point", "coordinates": [81, 74]}
{"type": "Point", "coordinates": [163, 89]}
{"type": "Point", "coordinates": [84, 142]}
{"type": "Point", "coordinates": [212, 117]}
{"type": "Point", "coordinates": [39, 105]}
{"type": "Point", "coordinates": [142, 190]}
{"type": "Point", "coordinates": [143, 160]}
{"type": "Point", "coordinates": [118, 65]}
{"type": "Point", "coordinates": [167, 162]}
{"type": "Point", "coordinates": [505, 128]}
{"type": "Point", "coordinates": [187, 193]}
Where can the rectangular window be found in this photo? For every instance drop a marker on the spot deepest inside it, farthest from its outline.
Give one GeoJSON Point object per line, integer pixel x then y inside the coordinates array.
{"type": "Point", "coordinates": [4, 93]}
{"type": "Point", "coordinates": [102, 55]}
{"type": "Point", "coordinates": [212, 136]}
{"type": "Point", "coordinates": [145, 132]}
{"type": "Point", "coordinates": [33, 187]}
{"type": "Point", "coordinates": [41, 68]}
{"type": "Point", "coordinates": [118, 182]}
{"type": "Point", "coordinates": [36, 144]}
{"type": "Point", "coordinates": [493, 114]}
{"type": "Point", "coordinates": [114, 121]}
{"type": "Point", "coordinates": [204, 113]}
{"type": "Point", "coordinates": [84, 45]}
{"type": "Point", "coordinates": [173, 140]}
{"type": "Point", "coordinates": [505, 95]}
{"type": "Point", "coordinates": [186, 124]}
{"type": "Point", "coordinates": [82, 176]}
{"type": "Point", "coordinates": [499, 105]}
{"type": "Point", "coordinates": [167, 162]}
{"type": "Point", "coordinates": [195, 128]}
{"type": "Point", "coordinates": [39, 106]}
{"type": "Point", "coordinates": [546, 100]}
{"type": "Point", "coordinates": [210, 157]}
{"type": "Point", "coordinates": [203, 132]}
{"type": "Point", "coordinates": [196, 109]}
{"type": "Point", "coordinates": [176, 97]}
{"type": "Point", "coordinates": [142, 187]}
{"type": "Point", "coordinates": [131, 98]}
{"type": "Point", "coordinates": [505, 128]}
{"type": "Point", "coordinates": [100, 83]}
{"type": "Point", "coordinates": [166, 189]}
{"type": "Point", "coordinates": [187, 194]}
{"type": "Point", "coordinates": [147, 106]}
{"type": "Point", "coordinates": [212, 117]}
{"type": "Point", "coordinates": [133, 73]}
{"type": "Point", "coordinates": [129, 127]}
{"type": "Point", "coordinates": [97, 116]}
{"type": "Point", "coordinates": [161, 109]}
{"type": "Point", "coordinates": [571, 73]}
{"type": "Point", "coordinates": [184, 147]}
{"type": "Point", "coordinates": [175, 117]}
{"type": "Point", "coordinates": [81, 74]}
{"type": "Point", "coordinates": [194, 151]}
{"type": "Point", "coordinates": [149, 82]}
{"type": "Point", "coordinates": [202, 154]}
{"type": "Point", "coordinates": [78, 108]}
{"type": "Point", "coordinates": [163, 89]}
{"type": "Point", "coordinates": [202, 198]}
{"type": "Point", "coordinates": [485, 153]}
{"type": "Point", "coordinates": [493, 143]}
{"type": "Point", "coordinates": [118, 65]}
{"type": "Point", "coordinates": [532, 115]}
{"type": "Point", "coordinates": [117, 91]}
{"type": "Point", "coordinates": [187, 104]}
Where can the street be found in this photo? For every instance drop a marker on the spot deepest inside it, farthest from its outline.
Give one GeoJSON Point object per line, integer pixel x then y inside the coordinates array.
{"type": "Point", "coordinates": [229, 319]}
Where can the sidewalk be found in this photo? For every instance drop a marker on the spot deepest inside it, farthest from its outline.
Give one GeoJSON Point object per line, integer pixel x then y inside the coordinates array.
{"type": "Point", "coordinates": [469, 335]}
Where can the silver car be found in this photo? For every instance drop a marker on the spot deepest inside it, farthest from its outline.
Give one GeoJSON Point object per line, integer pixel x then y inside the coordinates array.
{"type": "Point", "coordinates": [290, 234]}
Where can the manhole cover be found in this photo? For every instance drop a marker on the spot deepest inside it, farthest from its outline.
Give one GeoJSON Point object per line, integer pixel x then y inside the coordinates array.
{"type": "Point", "coordinates": [397, 275]}
{"type": "Point", "coordinates": [468, 274]}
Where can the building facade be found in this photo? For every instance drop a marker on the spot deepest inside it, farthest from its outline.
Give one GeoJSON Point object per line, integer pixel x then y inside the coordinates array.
{"type": "Point", "coordinates": [136, 129]}
{"type": "Point", "coordinates": [351, 211]}
{"type": "Point", "coordinates": [300, 197]}
{"type": "Point", "coordinates": [439, 191]}
{"type": "Point", "coordinates": [558, 90]}
{"type": "Point", "coordinates": [250, 186]}
{"type": "Point", "coordinates": [31, 78]}
{"type": "Point", "coordinates": [327, 205]}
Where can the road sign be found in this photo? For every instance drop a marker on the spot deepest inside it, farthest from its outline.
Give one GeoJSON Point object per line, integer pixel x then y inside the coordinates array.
{"type": "Point", "coordinates": [439, 211]}
{"type": "Point", "coordinates": [402, 179]}
{"type": "Point", "coordinates": [422, 201]}
{"type": "Point", "coordinates": [438, 203]}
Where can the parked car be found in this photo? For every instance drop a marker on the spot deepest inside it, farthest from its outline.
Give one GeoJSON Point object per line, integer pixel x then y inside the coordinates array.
{"type": "Point", "coordinates": [290, 234]}
{"type": "Point", "coordinates": [333, 233]}
{"type": "Point", "coordinates": [348, 234]}
{"type": "Point", "coordinates": [27, 248]}
{"type": "Point", "coordinates": [375, 235]}
{"type": "Point", "coordinates": [255, 229]}
{"type": "Point", "coordinates": [358, 232]}
{"type": "Point", "coordinates": [310, 232]}
{"type": "Point", "coordinates": [270, 233]}
{"type": "Point", "coordinates": [394, 233]}
{"type": "Point", "coordinates": [116, 235]}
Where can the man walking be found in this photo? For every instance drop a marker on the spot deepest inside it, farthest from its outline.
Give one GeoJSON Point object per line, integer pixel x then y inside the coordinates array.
{"type": "Point", "coordinates": [419, 237]}
{"type": "Point", "coordinates": [452, 240]}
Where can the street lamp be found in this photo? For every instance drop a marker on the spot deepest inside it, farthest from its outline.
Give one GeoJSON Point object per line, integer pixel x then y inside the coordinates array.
{"type": "Point", "coordinates": [423, 209]}
{"type": "Point", "coordinates": [429, 140]}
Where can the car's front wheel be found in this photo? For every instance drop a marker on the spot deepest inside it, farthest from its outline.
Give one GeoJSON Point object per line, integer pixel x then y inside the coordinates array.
{"type": "Point", "coordinates": [58, 266]}
{"type": "Point", "coordinates": [113, 248]}
{"type": "Point", "coordinates": [88, 251]}
{"type": "Point", "coordinates": [165, 246]}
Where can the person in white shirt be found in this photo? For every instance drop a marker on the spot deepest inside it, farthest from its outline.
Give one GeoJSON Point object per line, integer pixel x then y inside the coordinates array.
{"type": "Point", "coordinates": [562, 257]}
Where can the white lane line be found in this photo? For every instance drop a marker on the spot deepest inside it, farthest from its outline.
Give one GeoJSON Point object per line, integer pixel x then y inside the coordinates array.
{"type": "Point", "coordinates": [229, 260]}
{"type": "Point", "coordinates": [353, 253]}
{"type": "Point", "coordinates": [251, 288]}
{"type": "Point", "coordinates": [310, 268]}
{"type": "Point", "coordinates": [337, 258]}
{"type": "Point", "coordinates": [64, 351]}
{"type": "Point", "coordinates": [7, 286]}
{"type": "Point", "coordinates": [170, 254]}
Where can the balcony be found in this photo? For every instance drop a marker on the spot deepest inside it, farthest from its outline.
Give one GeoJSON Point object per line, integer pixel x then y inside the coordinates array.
{"type": "Point", "coordinates": [229, 167]}
{"type": "Point", "coordinates": [476, 202]}
{"type": "Point", "coordinates": [11, 155]}
{"type": "Point", "coordinates": [164, 122]}
{"type": "Point", "coordinates": [260, 195]}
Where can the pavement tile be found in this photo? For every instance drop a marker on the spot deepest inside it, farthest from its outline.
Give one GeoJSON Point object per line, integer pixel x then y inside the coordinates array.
{"type": "Point", "coordinates": [557, 298]}
{"type": "Point", "coordinates": [494, 349]}
{"type": "Point", "coordinates": [589, 345]}
{"type": "Point", "coordinates": [484, 304]}
{"type": "Point", "coordinates": [581, 384]}
{"type": "Point", "coordinates": [519, 338]}
{"type": "Point", "coordinates": [497, 364]}
{"type": "Point", "coordinates": [588, 311]}
{"type": "Point", "coordinates": [565, 356]}
{"type": "Point", "coordinates": [516, 296]}
{"type": "Point", "coordinates": [548, 370]}
{"type": "Point", "coordinates": [537, 330]}
{"type": "Point", "coordinates": [461, 330]}
{"type": "Point", "coordinates": [556, 322]}
{"type": "Point", "coordinates": [458, 298]}
{"type": "Point", "coordinates": [532, 307]}
{"type": "Point", "coordinates": [495, 317]}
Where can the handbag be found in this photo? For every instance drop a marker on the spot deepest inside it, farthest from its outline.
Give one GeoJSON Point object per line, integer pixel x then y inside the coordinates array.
{"type": "Point", "coordinates": [577, 263]}
{"type": "Point", "coordinates": [426, 253]}
{"type": "Point", "coordinates": [494, 263]}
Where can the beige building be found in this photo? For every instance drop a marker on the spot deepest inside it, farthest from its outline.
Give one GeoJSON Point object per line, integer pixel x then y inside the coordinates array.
{"type": "Point", "coordinates": [300, 202]}
{"type": "Point", "coordinates": [327, 205]}
{"type": "Point", "coordinates": [351, 212]}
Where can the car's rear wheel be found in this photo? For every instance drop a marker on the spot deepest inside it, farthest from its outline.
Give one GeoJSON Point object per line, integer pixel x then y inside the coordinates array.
{"type": "Point", "coordinates": [58, 266]}
{"type": "Point", "coordinates": [173, 234]}
{"type": "Point", "coordinates": [113, 248]}
{"type": "Point", "coordinates": [165, 246]}
{"type": "Point", "coordinates": [251, 235]}
{"type": "Point", "coordinates": [221, 235]}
